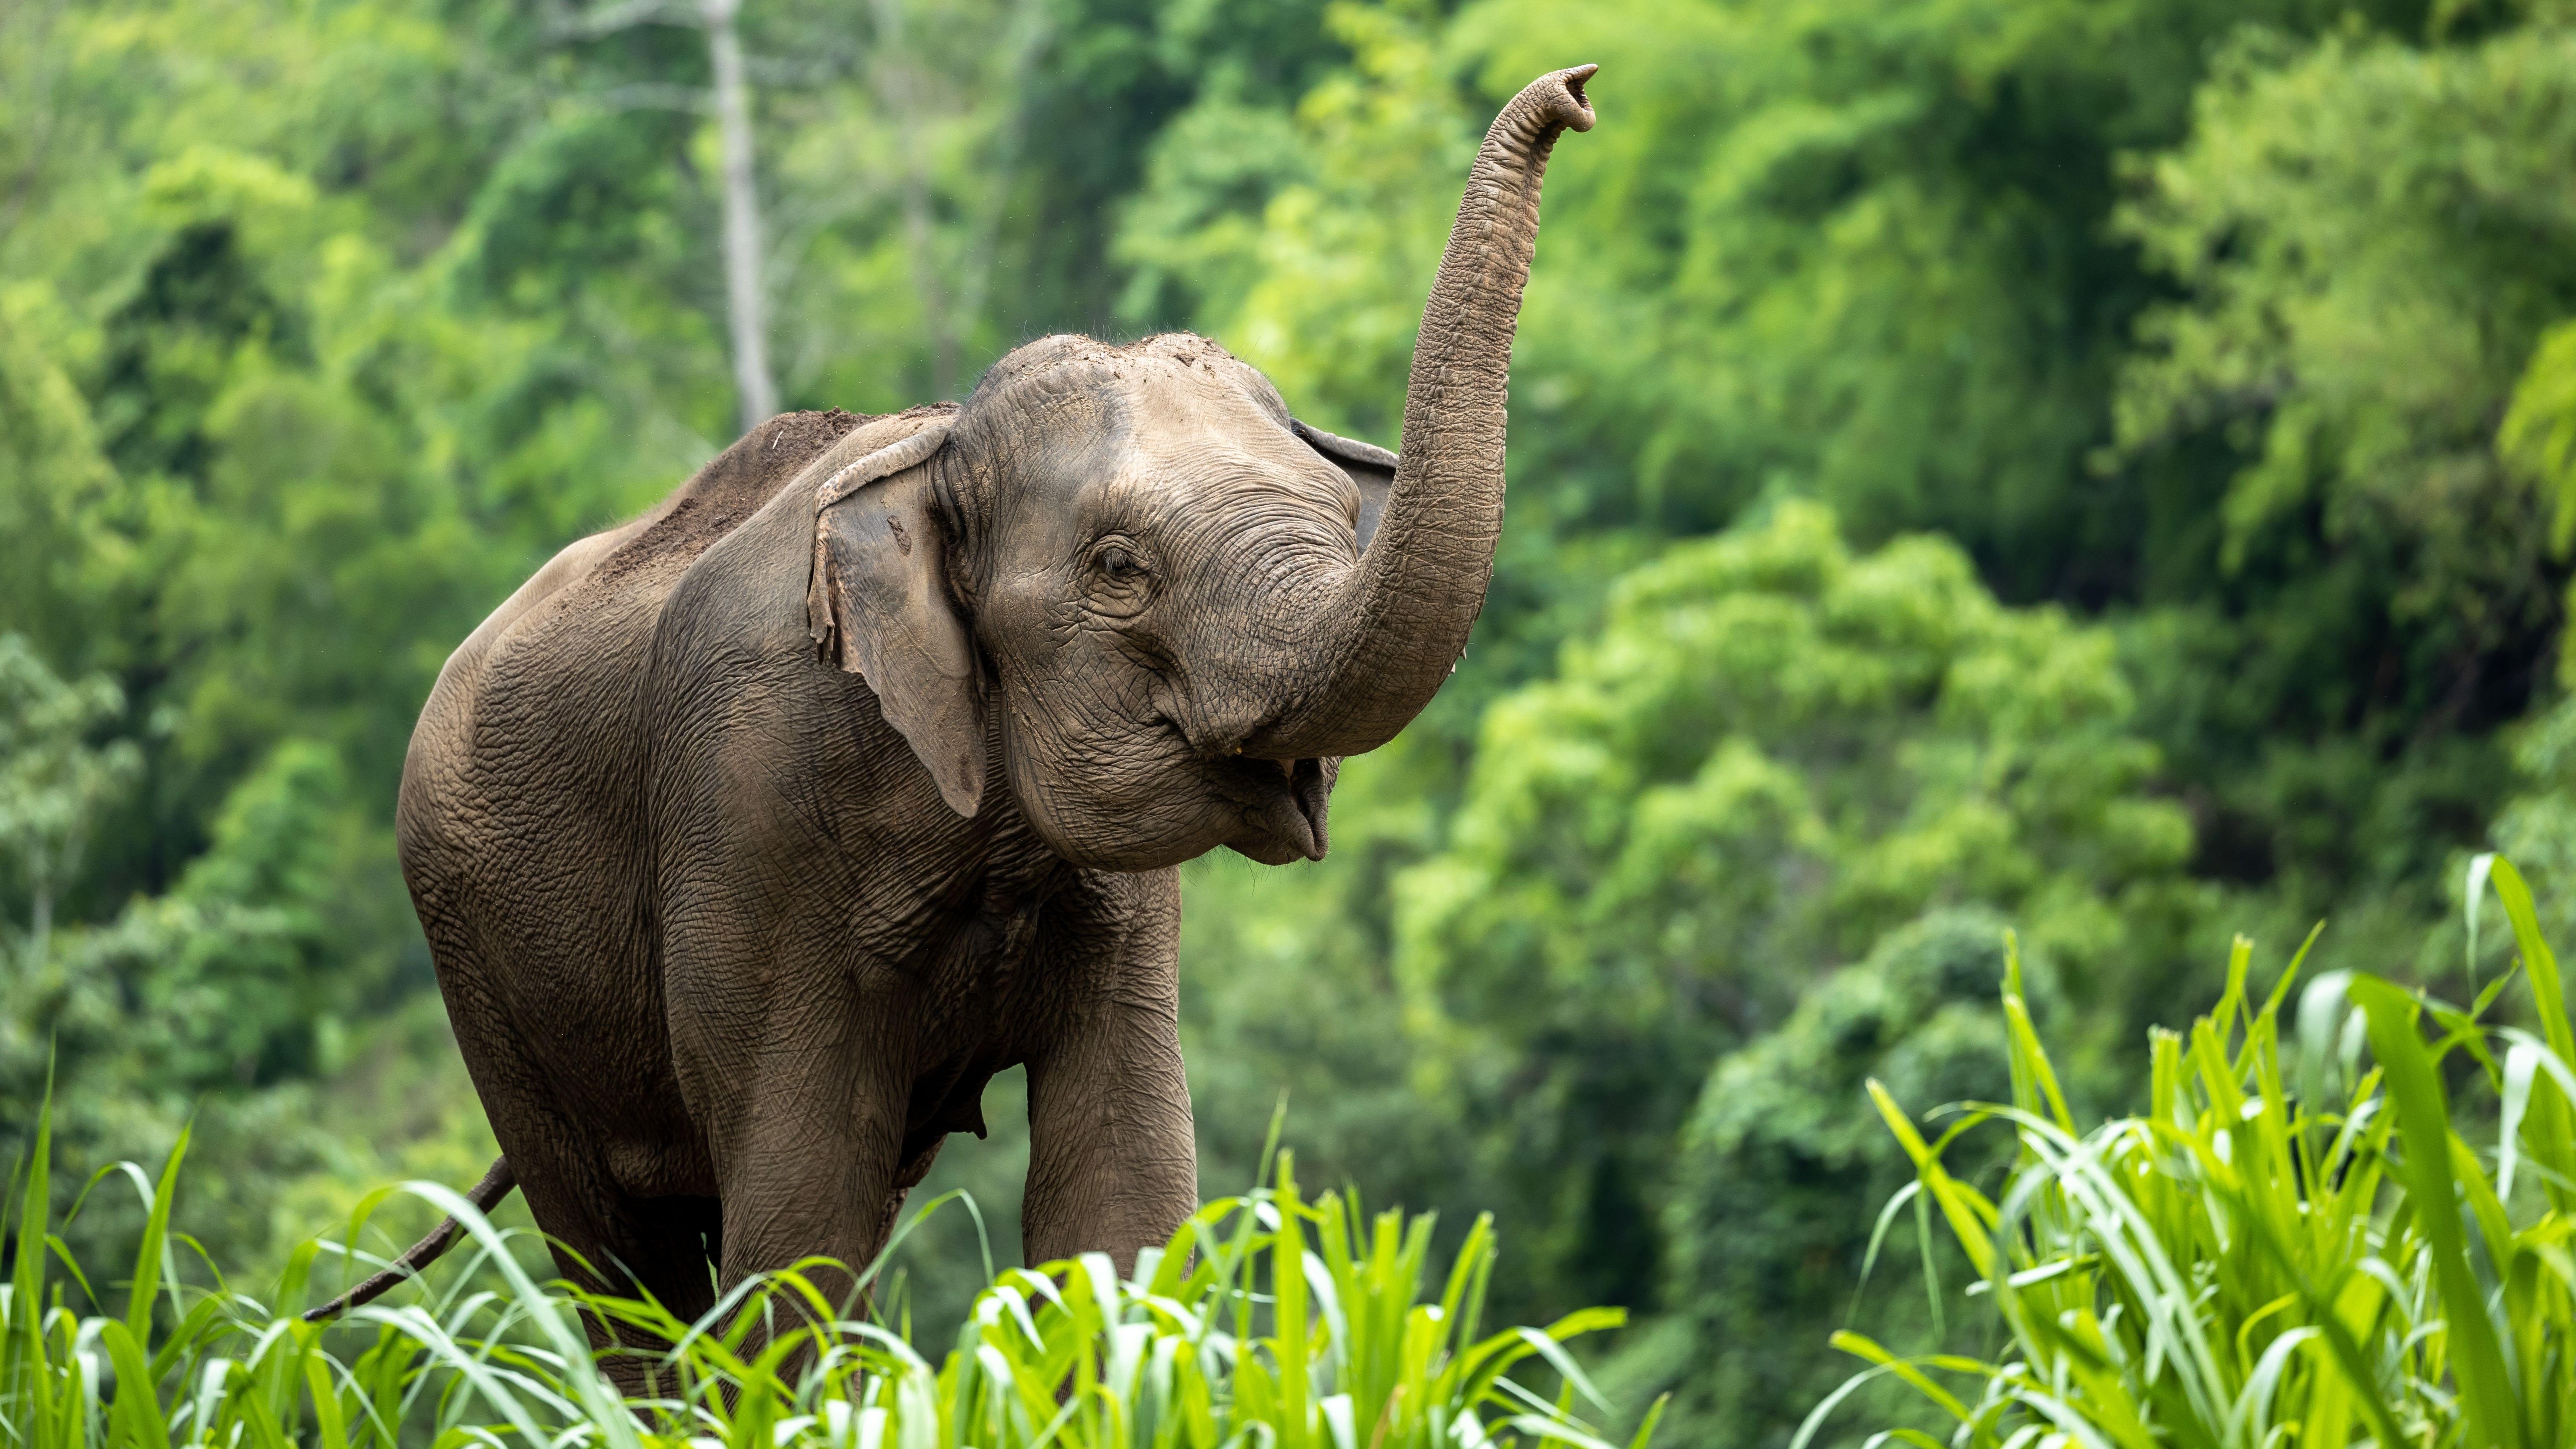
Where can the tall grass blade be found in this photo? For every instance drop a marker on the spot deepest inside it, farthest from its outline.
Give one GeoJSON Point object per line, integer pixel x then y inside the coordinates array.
{"type": "Point", "coordinates": [2424, 1120]}
{"type": "Point", "coordinates": [2273, 1255]}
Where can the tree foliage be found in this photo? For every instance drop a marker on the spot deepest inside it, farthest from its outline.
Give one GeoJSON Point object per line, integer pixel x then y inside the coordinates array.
{"type": "Point", "coordinates": [2103, 467]}
{"type": "Point", "coordinates": [1781, 1180]}
{"type": "Point", "coordinates": [1770, 754]}
{"type": "Point", "coordinates": [2372, 245]}
{"type": "Point", "coordinates": [2230, 333]}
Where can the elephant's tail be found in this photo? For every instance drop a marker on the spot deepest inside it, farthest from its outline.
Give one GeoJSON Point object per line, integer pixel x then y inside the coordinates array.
{"type": "Point", "coordinates": [485, 1195]}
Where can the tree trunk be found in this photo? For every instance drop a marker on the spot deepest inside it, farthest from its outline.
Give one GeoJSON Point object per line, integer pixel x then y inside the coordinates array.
{"type": "Point", "coordinates": [1030, 24]}
{"type": "Point", "coordinates": [746, 294]}
{"type": "Point", "coordinates": [900, 91]}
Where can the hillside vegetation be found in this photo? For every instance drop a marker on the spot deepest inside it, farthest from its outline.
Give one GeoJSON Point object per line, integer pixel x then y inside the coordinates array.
{"type": "Point", "coordinates": [2100, 467]}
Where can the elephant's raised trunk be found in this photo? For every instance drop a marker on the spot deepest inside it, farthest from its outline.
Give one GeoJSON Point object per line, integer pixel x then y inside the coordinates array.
{"type": "Point", "coordinates": [1396, 630]}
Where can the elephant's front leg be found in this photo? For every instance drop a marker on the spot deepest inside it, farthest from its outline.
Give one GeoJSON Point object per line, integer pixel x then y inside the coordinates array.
{"type": "Point", "coordinates": [800, 1091]}
{"type": "Point", "coordinates": [1113, 1163]}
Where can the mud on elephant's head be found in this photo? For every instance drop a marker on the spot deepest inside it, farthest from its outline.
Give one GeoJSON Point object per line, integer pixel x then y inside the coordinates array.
{"type": "Point", "coordinates": [1184, 604]}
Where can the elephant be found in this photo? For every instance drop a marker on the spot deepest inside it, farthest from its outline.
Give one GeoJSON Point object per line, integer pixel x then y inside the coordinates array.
{"type": "Point", "coordinates": [753, 837]}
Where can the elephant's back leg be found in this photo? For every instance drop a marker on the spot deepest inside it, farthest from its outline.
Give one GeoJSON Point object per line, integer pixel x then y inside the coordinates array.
{"type": "Point", "coordinates": [659, 1248]}
{"type": "Point", "coordinates": [519, 828]}
{"type": "Point", "coordinates": [601, 1234]}
{"type": "Point", "coordinates": [518, 893]}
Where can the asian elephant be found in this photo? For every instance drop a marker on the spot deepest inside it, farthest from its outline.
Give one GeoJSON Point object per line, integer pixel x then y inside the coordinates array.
{"type": "Point", "coordinates": [753, 837]}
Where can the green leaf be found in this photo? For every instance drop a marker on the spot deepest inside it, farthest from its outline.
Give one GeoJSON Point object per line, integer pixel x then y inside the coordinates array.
{"type": "Point", "coordinates": [2423, 1115]}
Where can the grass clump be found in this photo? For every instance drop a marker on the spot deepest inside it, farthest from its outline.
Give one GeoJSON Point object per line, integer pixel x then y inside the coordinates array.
{"type": "Point", "coordinates": [1268, 1322]}
{"type": "Point", "coordinates": [2303, 1240]}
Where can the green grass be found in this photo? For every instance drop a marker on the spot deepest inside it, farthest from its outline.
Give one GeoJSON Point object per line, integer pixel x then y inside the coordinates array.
{"type": "Point", "coordinates": [1207, 1344]}
{"type": "Point", "coordinates": [2302, 1240]}
{"type": "Point", "coordinates": [2301, 1243]}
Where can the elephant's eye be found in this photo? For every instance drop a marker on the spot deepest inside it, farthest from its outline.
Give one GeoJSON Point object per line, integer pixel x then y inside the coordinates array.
{"type": "Point", "coordinates": [1121, 580]}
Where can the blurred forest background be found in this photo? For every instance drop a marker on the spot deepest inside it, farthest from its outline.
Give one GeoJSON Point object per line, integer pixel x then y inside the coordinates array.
{"type": "Point", "coordinates": [2105, 467]}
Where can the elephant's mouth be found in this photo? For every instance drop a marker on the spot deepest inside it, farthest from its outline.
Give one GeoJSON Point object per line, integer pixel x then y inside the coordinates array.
{"type": "Point", "coordinates": [1285, 803]}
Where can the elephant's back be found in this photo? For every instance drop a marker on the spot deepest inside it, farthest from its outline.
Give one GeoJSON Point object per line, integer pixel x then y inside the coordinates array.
{"type": "Point", "coordinates": [549, 679]}
{"type": "Point", "coordinates": [652, 553]}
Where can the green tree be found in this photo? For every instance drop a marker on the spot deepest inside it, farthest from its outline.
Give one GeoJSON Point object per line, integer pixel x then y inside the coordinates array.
{"type": "Point", "coordinates": [53, 779]}
{"type": "Point", "coordinates": [226, 999]}
{"type": "Point", "coordinates": [2373, 242]}
{"type": "Point", "coordinates": [1783, 1172]}
{"type": "Point", "coordinates": [1773, 752]}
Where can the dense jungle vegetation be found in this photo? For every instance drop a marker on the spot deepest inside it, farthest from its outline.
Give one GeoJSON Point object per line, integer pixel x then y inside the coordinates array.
{"type": "Point", "coordinates": [2103, 467]}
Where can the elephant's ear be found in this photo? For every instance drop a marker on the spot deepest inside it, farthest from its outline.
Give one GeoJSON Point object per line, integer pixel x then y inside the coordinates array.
{"type": "Point", "coordinates": [1370, 466]}
{"type": "Point", "coordinates": [878, 606]}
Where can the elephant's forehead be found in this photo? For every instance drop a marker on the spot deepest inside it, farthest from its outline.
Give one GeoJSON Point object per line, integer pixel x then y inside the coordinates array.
{"type": "Point", "coordinates": [1160, 445]}
{"type": "Point", "coordinates": [1194, 429]}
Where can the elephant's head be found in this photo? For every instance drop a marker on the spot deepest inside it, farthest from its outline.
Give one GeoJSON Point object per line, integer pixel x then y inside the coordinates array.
{"type": "Point", "coordinates": [1185, 604]}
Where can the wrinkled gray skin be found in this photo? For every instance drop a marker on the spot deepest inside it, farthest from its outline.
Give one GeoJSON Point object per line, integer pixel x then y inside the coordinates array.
{"type": "Point", "coordinates": [752, 838]}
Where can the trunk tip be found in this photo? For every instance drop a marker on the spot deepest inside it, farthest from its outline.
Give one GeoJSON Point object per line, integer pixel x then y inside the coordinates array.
{"type": "Point", "coordinates": [1562, 97]}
